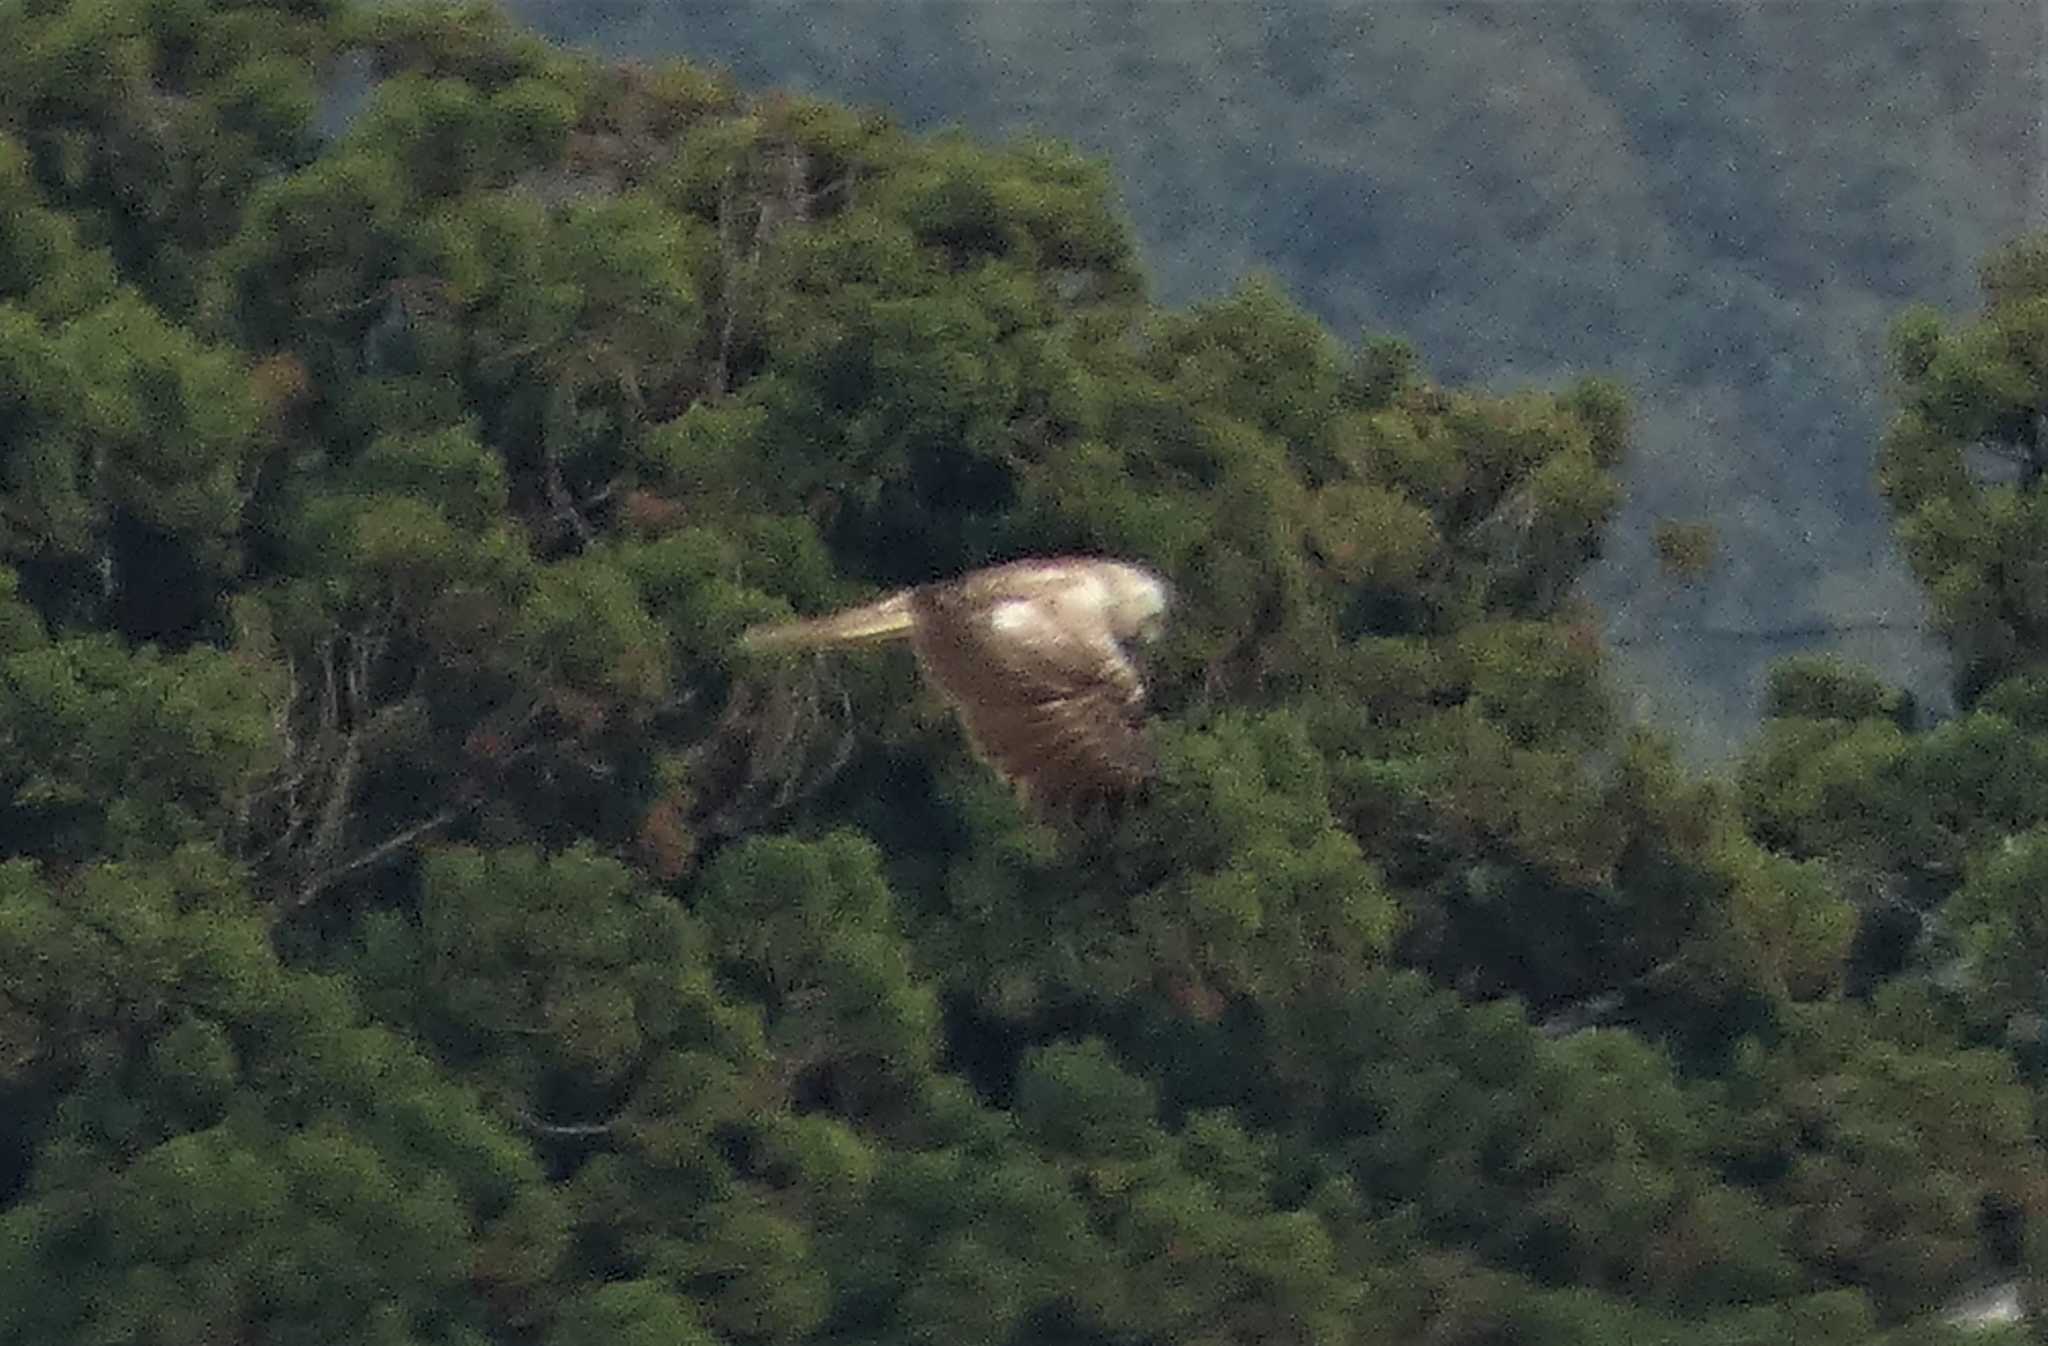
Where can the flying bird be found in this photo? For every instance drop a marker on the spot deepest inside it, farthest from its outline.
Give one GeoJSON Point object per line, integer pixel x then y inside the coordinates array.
{"type": "Point", "coordinates": [1032, 655]}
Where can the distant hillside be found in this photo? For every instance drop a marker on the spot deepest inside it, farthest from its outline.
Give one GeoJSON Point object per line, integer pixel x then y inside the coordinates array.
{"type": "Point", "coordinates": [1724, 204]}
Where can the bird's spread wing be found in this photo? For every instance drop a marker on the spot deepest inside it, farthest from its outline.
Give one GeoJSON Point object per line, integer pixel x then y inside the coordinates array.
{"type": "Point", "coordinates": [1044, 691]}
{"type": "Point", "coordinates": [885, 620]}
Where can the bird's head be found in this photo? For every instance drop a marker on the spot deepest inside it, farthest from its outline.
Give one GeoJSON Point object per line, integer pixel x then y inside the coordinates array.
{"type": "Point", "coordinates": [1138, 602]}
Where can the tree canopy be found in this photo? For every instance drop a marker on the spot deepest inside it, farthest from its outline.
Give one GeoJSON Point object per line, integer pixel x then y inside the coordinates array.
{"type": "Point", "coordinates": [1723, 203]}
{"type": "Point", "coordinates": [419, 923]}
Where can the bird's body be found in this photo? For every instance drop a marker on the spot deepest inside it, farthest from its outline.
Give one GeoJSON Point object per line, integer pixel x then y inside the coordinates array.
{"type": "Point", "coordinates": [1032, 656]}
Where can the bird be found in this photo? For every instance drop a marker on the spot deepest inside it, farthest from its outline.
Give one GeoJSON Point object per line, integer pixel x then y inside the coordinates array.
{"type": "Point", "coordinates": [1033, 656]}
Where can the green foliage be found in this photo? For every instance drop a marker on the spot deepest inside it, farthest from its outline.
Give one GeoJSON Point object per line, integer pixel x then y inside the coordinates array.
{"type": "Point", "coordinates": [153, 124]}
{"type": "Point", "coordinates": [1969, 396]}
{"type": "Point", "coordinates": [124, 427]}
{"type": "Point", "coordinates": [629, 1313]}
{"type": "Point", "coordinates": [1560, 190]}
{"type": "Point", "coordinates": [808, 929]}
{"type": "Point", "coordinates": [552, 974]}
{"type": "Point", "coordinates": [1849, 1125]}
{"type": "Point", "coordinates": [1864, 790]}
{"type": "Point", "coordinates": [1234, 882]}
{"type": "Point", "coordinates": [41, 259]}
{"type": "Point", "coordinates": [1824, 689]}
{"type": "Point", "coordinates": [419, 923]}
{"type": "Point", "coordinates": [1999, 923]}
{"type": "Point", "coordinates": [1577, 1162]}
{"type": "Point", "coordinates": [119, 753]}
{"type": "Point", "coordinates": [232, 1144]}
{"type": "Point", "coordinates": [1686, 550]}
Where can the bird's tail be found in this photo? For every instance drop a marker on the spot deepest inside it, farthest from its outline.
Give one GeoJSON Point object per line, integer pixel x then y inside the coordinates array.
{"type": "Point", "coordinates": [889, 619]}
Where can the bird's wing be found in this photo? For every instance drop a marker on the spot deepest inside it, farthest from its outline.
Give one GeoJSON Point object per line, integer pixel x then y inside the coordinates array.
{"type": "Point", "coordinates": [887, 619]}
{"type": "Point", "coordinates": [1045, 693]}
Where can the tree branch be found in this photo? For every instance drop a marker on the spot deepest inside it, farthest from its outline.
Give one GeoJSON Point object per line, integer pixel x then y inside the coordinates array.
{"type": "Point", "coordinates": [728, 282]}
{"type": "Point", "coordinates": [318, 883]}
{"type": "Point", "coordinates": [564, 1130]}
{"type": "Point", "coordinates": [559, 498]}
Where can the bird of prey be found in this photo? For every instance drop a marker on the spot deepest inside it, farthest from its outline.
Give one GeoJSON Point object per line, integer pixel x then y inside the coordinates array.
{"type": "Point", "coordinates": [1033, 657]}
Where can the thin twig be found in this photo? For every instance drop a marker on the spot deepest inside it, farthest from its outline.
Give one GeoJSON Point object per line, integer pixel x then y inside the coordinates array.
{"type": "Point", "coordinates": [558, 492]}
{"type": "Point", "coordinates": [564, 1129]}
{"type": "Point", "coordinates": [382, 851]}
{"type": "Point", "coordinates": [727, 269]}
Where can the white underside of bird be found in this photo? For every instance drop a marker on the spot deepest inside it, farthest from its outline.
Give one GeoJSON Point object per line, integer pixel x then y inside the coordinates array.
{"type": "Point", "coordinates": [1032, 654]}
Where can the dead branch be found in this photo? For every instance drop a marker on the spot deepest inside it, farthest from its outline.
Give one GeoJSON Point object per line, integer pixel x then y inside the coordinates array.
{"type": "Point", "coordinates": [399, 289]}
{"type": "Point", "coordinates": [559, 499]}
{"type": "Point", "coordinates": [331, 723]}
{"type": "Point", "coordinates": [843, 183]}
{"type": "Point", "coordinates": [728, 282]}
{"type": "Point", "coordinates": [773, 736]}
{"type": "Point", "coordinates": [345, 716]}
{"type": "Point", "coordinates": [796, 168]}
{"type": "Point", "coordinates": [564, 1130]}
{"type": "Point", "coordinates": [312, 887]}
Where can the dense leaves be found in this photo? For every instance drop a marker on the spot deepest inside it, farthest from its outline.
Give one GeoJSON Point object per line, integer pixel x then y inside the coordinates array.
{"type": "Point", "coordinates": [1526, 190]}
{"type": "Point", "coordinates": [418, 923]}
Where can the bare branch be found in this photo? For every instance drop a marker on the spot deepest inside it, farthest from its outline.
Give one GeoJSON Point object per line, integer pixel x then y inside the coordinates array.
{"type": "Point", "coordinates": [310, 890]}
{"type": "Point", "coordinates": [559, 499]}
{"type": "Point", "coordinates": [797, 170]}
{"type": "Point", "coordinates": [334, 809]}
{"type": "Point", "coordinates": [843, 183]}
{"type": "Point", "coordinates": [564, 1130]}
{"type": "Point", "coordinates": [774, 737]}
{"type": "Point", "coordinates": [727, 283]}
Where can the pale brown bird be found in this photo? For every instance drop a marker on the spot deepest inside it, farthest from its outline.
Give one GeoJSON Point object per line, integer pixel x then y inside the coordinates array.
{"type": "Point", "coordinates": [1033, 656]}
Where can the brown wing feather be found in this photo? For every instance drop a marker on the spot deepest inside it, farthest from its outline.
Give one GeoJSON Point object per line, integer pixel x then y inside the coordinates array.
{"type": "Point", "coordinates": [1053, 704]}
